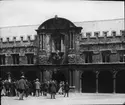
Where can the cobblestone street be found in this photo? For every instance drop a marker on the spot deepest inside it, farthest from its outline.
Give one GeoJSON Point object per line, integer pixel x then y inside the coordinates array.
{"type": "Point", "coordinates": [74, 99]}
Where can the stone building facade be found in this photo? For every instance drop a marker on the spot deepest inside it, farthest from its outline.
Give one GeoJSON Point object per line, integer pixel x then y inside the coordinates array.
{"type": "Point", "coordinates": [89, 55]}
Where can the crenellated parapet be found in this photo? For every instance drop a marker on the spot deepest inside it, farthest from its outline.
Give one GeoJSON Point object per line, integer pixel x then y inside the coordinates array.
{"type": "Point", "coordinates": [98, 38]}
{"type": "Point", "coordinates": [18, 42]}
{"type": "Point", "coordinates": [22, 49]}
{"type": "Point", "coordinates": [97, 47]}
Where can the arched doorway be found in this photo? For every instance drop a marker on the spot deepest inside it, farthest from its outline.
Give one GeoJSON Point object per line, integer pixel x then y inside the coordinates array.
{"type": "Point", "coordinates": [105, 82]}
{"type": "Point", "coordinates": [15, 75]}
{"type": "Point", "coordinates": [58, 76]}
{"type": "Point", "coordinates": [120, 82]}
{"type": "Point", "coordinates": [89, 82]}
{"type": "Point", "coordinates": [31, 75]}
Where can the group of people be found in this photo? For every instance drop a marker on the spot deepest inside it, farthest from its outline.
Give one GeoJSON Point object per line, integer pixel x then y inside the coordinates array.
{"type": "Point", "coordinates": [23, 87]}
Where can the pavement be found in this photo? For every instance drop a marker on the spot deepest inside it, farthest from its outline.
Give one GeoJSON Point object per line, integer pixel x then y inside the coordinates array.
{"type": "Point", "coordinates": [73, 99]}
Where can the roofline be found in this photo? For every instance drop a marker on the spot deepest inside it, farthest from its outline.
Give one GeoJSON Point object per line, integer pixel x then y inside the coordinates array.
{"type": "Point", "coordinates": [73, 22]}
{"type": "Point", "coordinates": [102, 20]}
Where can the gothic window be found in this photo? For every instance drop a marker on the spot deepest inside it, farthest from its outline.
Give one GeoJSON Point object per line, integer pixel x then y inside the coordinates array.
{"type": "Point", "coordinates": [71, 77]}
{"type": "Point", "coordinates": [15, 58]}
{"type": "Point", "coordinates": [105, 56]}
{"type": "Point", "coordinates": [122, 56]}
{"type": "Point", "coordinates": [30, 58]}
{"type": "Point", "coordinates": [2, 59]}
{"type": "Point", "coordinates": [71, 40]}
{"type": "Point", "coordinates": [42, 41]}
{"type": "Point", "coordinates": [88, 57]}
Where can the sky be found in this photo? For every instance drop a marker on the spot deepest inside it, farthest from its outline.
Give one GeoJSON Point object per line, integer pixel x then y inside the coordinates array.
{"type": "Point", "coordinates": [32, 12]}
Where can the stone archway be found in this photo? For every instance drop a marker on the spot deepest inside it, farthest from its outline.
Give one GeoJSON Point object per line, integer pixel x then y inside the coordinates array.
{"type": "Point", "coordinates": [120, 82]}
{"type": "Point", "coordinates": [15, 75]}
{"type": "Point", "coordinates": [58, 76]}
{"type": "Point", "coordinates": [88, 82]}
{"type": "Point", "coordinates": [105, 82]}
{"type": "Point", "coordinates": [31, 75]}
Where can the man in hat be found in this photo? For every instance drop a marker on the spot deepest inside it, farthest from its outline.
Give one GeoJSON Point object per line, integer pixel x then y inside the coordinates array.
{"type": "Point", "coordinates": [22, 86]}
{"type": "Point", "coordinates": [37, 87]}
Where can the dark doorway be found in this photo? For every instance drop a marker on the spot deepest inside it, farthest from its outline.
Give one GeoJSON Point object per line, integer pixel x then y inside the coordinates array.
{"type": "Point", "coordinates": [105, 82]}
{"type": "Point", "coordinates": [58, 76]}
{"type": "Point", "coordinates": [15, 75]}
{"type": "Point", "coordinates": [3, 75]}
{"type": "Point", "coordinates": [89, 82]}
{"type": "Point", "coordinates": [31, 75]}
{"type": "Point", "coordinates": [120, 82]}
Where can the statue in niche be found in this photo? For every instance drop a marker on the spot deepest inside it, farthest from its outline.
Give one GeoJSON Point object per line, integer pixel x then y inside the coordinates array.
{"type": "Point", "coordinates": [57, 41]}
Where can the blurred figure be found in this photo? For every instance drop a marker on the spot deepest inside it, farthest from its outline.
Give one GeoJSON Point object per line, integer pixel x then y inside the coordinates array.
{"type": "Point", "coordinates": [7, 87]}
{"type": "Point", "coordinates": [37, 87]}
{"type": "Point", "coordinates": [53, 89]}
{"type": "Point", "coordinates": [1, 85]}
{"type": "Point", "coordinates": [60, 88]}
{"type": "Point", "coordinates": [45, 88]}
{"type": "Point", "coordinates": [66, 89]}
{"type": "Point", "coordinates": [17, 88]}
{"type": "Point", "coordinates": [22, 86]}
{"type": "Point", "coordinates": [3, 92]}
{"type": "Point", "coordinates": [41, 88]}
{"type": "Point", "coordinates": [12, 88]}
{"type": "Point", "coordinates": [33, 87]}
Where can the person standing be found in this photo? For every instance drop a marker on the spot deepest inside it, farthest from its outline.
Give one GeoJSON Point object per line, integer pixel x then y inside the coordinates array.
{"type": "Point", "coordinates": [60, 88]}
{"type": "Point", "coordinates": [1, 85]}
{"type": "Point", "coordinates": [7, 87]}
{"type": "Point", "coordinates": [52, 89]}
{"type": "Point", "coordinates": [66, 89]}
{"type": "Point", "coordinates": [22, 86]}
{"type": "Point", "coordinates": [37, 87]}
{"type": "Point", "coordinates": [45, 88]}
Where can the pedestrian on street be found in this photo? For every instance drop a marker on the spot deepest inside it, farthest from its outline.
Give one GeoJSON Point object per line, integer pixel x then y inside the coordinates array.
{"type": "Point", "coordinates": [53, 89]}
{"type": "Point", "coordinates": [22, 86]}
{"type": "Point", "coordinates": [33, 87]}
{"type": "Point", "coordinates": [60, 88]}
{"type": "Point", "coordinates": [41, 88]}
{"type": "Point", "coordinates": [66, 89]}
{"type": "Point", "coordinates": [17, 88]}
{"type": "Point", "coordinates": [1, 85]}
{"type": "Point", "coordinates": [27, 88]}
{"type": "Point", "coordinates": [7, 87]}
{"type": "Point", "coordinates": [45, 88]}
{"type": "Point", "coordinates": [37, 87]}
